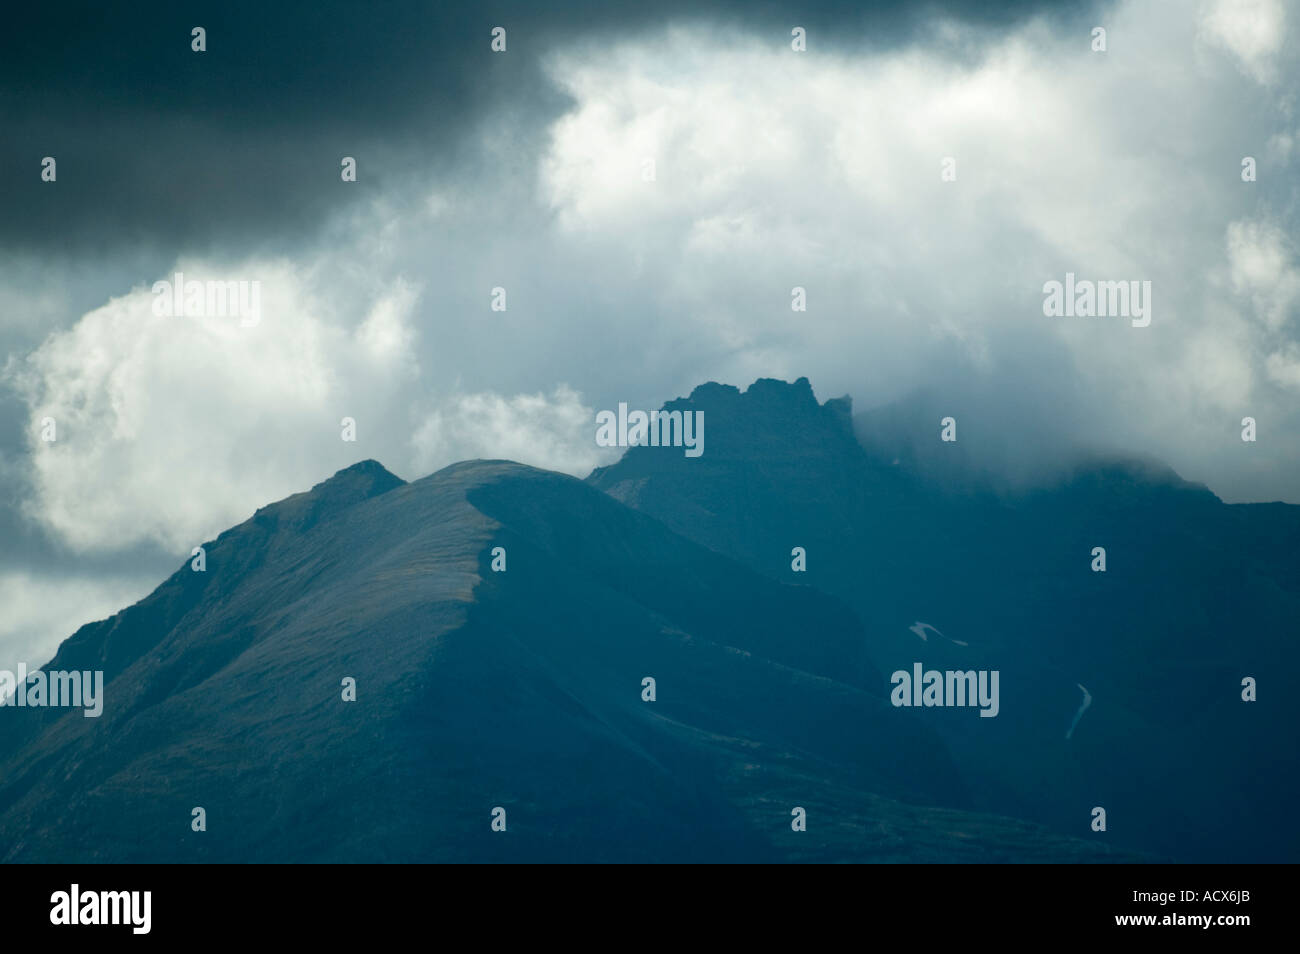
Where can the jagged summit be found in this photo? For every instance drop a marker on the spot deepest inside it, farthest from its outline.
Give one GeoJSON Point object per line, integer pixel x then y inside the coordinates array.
{"type": "Point", "coordinates": [764, 395]}
{"type": "Point", "coordinates": [771, 420]}
{"type": "Point", "coordinates": [770, 391]}
{"type": "Point", "coordinates": [772, 415]}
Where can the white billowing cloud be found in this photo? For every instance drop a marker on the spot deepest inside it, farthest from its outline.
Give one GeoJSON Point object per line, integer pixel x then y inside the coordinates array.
{"type": "Point", "coordinates": [776, 169]}
{"type": "Point", "coordinates": [773, 169]}
{"type": "Point", "coordinates": [555, 431]}
{"type": "Point", "coordinates": [1263, 267]}
{"type": "Point", "coordinates": [170, 429]}
{"type": "Point", "coordinates": [1263, 270]}
{"type": "Point", "coordinates": [1251, 30]}
{"type": "Point", "coordinates": [1279, 148]}
{"type": "Point", "coordinates": [40, 611]}
{"type": "Point", "coordinates": [386, 336]}
{"type": "Point", "coordinates": [1283, 366]}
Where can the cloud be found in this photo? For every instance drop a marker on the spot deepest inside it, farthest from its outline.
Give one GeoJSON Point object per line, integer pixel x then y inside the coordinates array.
{"type": "Point", "coordinates": [1284, 366]}
{"type": "Point", "coordinates": [169, 429]}
{"type": "Point", "coordinates": [194, 153]}
{"type": "Point", "coordinates": [1252, 31]}
{"type": "Point", "coordinates": [555, 431]}
{"type": "Point", "coordinates": [1263, 268]}
{"type": "Point", "coordinates": [773, 169]}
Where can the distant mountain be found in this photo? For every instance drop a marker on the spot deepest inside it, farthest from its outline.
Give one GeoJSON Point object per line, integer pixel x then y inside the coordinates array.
{"type": "Point", "coordinates": [476, 689]}
{"type": "Point", "coordinates": [1196, 596]}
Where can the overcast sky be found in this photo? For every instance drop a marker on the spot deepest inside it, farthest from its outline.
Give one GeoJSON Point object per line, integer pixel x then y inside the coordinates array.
{"type": "Point", "coordinates": [525, 170]}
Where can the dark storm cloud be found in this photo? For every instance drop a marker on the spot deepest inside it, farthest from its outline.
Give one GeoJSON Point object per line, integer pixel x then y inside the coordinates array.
{"type": "Point", "coordinates": [160, 146]}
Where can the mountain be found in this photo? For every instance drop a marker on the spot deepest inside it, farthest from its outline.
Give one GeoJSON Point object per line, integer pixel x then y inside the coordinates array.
{"type": "Point", "coordinates": [950, 568]}
{"type": "Point", "coordinates": [477, 689]}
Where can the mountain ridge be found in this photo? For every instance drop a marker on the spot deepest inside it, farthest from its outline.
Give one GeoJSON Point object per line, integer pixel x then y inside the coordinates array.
{"type": "Point", "coordinates": [523, 688]}
{"type": "Point", "coordinates": [476, 688]}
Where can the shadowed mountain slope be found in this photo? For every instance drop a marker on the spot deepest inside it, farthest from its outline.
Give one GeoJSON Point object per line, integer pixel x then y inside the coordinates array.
{"type": "Point", "coordinates": [477, 689]}
{"type": "Point", "coordinates": [1196, 596]}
